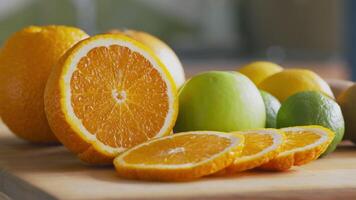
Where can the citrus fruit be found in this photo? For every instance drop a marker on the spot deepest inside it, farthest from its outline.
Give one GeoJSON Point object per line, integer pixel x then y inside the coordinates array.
{"type": "Point", "coordinates": [260, 70]}
{"type": "Point", "coordinates": [347, 101]}
{"type": "Point", "coordinates": [290, 81]}
{"type": "Point", "coordinates": [272, 106]}
{"type": "Point", "coordinates": [182, 156]}
{"type": "Point", "coordinates": [312, 108]}
{"type": "Point", "coordinates": [339, 86]}
{"type": "Point", "coordinates": [220, 101]}
{"type": "Point", "coordinates": [260, 147]}
{"type": "Point", "coordinates": [162, 51]}
{"type": "Point", "coordinates": [302, 145]}
{"type": "Point", "coordinates": [26, 60]}
{"type": "Point", "coordinates": [107, 94]}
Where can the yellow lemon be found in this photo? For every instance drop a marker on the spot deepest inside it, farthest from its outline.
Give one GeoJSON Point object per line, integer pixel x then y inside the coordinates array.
{"type": "Point", "coordinates": [260, 70]}
{"type": "Point", "coordinates": [291, 81]}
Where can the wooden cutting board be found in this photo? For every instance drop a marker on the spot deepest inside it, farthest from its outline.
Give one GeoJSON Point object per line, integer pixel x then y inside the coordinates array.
{"type": "Point", "coordinates": [51, 172]}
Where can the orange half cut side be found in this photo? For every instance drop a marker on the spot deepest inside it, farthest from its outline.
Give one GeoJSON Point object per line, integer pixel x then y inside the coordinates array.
{"type": "Point", "coordinates": [108, 94]}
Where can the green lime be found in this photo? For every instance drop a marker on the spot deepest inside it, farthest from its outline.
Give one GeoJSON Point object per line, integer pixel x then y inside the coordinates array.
{"type": "Point", "coordinates": [272, 106]}
{"type": "Point", "coordinates": [220, 101]}
{"type": "Point", "coordinates": [312, 108]}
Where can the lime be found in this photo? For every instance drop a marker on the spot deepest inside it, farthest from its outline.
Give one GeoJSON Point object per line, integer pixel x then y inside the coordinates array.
{"type": "Point", "coordinates": [290, 81]}
{"type": "Point", "coordinates": [312, 108]}
{"type": "Point", "coordinates": [220, 101]}
{"type": "Point", "coordinates": [258, 71]}
{"type": "Point", "coordinates": [347, 102]}
{"type": "Point", "coordinates": [272, 106]}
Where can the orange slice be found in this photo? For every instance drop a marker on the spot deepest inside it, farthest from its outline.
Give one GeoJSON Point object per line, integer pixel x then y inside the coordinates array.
{"type": "Point", "coordinates": [107, 94]}
{"type": "Point", "coordinates": [303, 144]}
{"type": "Point", "coordinates": [260, 147]}
{"type": "Point", "coordinates": [182, 156]}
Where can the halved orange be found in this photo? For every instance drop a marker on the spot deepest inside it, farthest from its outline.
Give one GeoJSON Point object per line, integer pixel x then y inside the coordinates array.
{"type": "Point", "coordinates": [302, 145]}
{"type": "Point", "coordinates": [260, 147]}
{"type": "Point", "coordinates": [182, 156]}
{"type": "Point", "coordinates": [107, 94]}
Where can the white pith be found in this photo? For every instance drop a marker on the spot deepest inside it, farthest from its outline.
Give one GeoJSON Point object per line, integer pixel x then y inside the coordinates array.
{"type": "Point", "coordinates": [234, 142]}
{"type": "Point", "coordinates": [115, 95]}
{"type": "Point", "coordinates": [67, 73]}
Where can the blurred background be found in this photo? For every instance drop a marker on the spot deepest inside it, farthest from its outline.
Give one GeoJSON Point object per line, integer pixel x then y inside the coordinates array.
{"type": "Point", "coordinates": [214, 34]}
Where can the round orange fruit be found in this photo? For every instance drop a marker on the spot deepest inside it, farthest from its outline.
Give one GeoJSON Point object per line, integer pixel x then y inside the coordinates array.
{"type": "Point", "coordinates": [26, 60]}
{"type": "Point", "coordinates": [109, 93]}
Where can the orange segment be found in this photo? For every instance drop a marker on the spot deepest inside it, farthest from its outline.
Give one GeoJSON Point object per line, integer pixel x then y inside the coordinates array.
{"type": "Point", "coordinates": [161, 49]}
{"type": "Point", "coordinates": [303, 144]}
{"type": "Point", "coordinates": [260, 147]}
{"type": "Point", "coordinates": [299, 139]}
{"type": "Point", "coordinates": [112, 93]}
{"type": "Point", "coordinates": [182, 156]}
{"type": "Point", "coordinates": [115, 81]}
{"type": "Point", "coordinates": [258, 142]}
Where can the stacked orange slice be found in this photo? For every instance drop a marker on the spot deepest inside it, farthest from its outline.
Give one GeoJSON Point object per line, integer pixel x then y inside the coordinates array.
{"type": "Point", "coordinates": [303, 144]}
{"type": "Point", "coordinates": [189, 155]}
{"type": "Point", "coordinates": [260, 147]}
{"type": "Point", "coordinates": [182, 156]}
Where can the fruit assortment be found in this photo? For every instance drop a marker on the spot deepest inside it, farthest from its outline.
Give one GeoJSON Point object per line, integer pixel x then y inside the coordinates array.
{"type": "Point", "coordinates": [116, 98]}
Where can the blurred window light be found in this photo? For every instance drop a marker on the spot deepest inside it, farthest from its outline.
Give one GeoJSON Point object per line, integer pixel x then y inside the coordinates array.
{"type": "Point", "coordinates": [196, 29]}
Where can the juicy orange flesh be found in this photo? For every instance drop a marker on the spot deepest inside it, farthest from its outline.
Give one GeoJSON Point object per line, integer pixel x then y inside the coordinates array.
{"type": "Point", "coordinates": [183, 149]}
{"type": "Point", "coordinates": [255, 143]}
{"type": "Point", "coordinates": [299, 139]}
{"type": "Point", "coordinates": [119, 96]}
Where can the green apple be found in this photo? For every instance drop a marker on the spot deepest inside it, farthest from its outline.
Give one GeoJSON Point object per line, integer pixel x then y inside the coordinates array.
{"type": "Point", "coordinates": [220, 101]}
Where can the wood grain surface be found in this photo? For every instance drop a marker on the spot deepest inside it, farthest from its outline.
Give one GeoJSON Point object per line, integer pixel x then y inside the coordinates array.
{"type": "Point", "coordinates": [51, 172]}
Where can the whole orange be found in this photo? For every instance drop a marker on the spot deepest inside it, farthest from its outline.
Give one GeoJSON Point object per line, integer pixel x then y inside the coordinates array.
{"type": "Point", "coordinates": [26, 60]}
